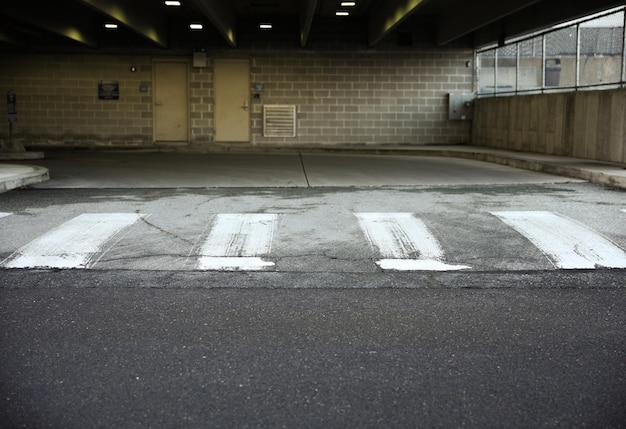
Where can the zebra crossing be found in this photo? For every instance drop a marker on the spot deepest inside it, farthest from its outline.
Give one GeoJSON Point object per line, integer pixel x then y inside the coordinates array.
{"type": "Point", "coordinates": [569, 244]}
{"type": "Point", "coordinates": [237, 242]}
{"type": "Point", "coordinates": [400, 236]}
{"type": "Point", "coordinates": [245, 242]}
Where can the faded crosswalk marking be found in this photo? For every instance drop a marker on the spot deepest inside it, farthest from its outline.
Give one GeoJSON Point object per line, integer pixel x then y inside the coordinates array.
{"type": "Point", "coordinates": [237, 241]}
{"type": "Point", "coordinates": [73, 244]}
{"type": "Point", "coordinates": [242, 242]}
{"type": "Point", "coordinates": [404, 242]}
{"type": "Point", "coordinates": [567, 243]}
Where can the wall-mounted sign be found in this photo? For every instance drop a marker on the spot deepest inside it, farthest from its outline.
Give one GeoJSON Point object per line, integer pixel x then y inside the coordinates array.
{"type": "Point", "coordinates": [109, 90]}
{"type": "Point", "coordinates": [259, 88]}
{"type": "Point", "coordinates": [12, 107]}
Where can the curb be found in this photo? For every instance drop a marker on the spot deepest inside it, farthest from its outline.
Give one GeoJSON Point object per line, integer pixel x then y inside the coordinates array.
{"type": "Point", "coordinates": [36, 175]}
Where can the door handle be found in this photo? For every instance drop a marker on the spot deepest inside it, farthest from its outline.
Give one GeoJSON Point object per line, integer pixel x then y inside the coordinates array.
{"type": "Point", "coordinates": [245, 105]}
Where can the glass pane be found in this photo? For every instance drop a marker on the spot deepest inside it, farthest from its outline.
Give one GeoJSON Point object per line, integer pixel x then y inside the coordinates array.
{"type": "Point", "coordinates": [507, 69]}
{"type": "Point", "coordinates": [486, 72]}
{"type": "Point", "coordinates": [560, 66]}
{"type": "Point", "coordinates": [531, 53]}
{"type": "Point", "coordinates": [586, 53]}
{"type": "Point", "coordinates": [601, 43]}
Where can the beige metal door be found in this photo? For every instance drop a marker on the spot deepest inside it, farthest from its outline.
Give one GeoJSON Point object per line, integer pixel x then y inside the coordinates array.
{"type": "Point", "coordinates": [171, 101]}
{"type": "Point", "coordinates": [232, 100]}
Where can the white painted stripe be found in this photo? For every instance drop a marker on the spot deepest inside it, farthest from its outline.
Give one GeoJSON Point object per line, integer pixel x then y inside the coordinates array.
{"type": "Point", "coordinates": [237, 240]}
{"type": "Point", "coordinates": [73, 244]}
{"type": "Point", "coordinates": [233, 263]}
{"type": "Point", "coordinates": [567, 243]}
{"type": "Point", "coordinates": [4, 214]}
{"type": "Point", "coordinates": [401, 238]}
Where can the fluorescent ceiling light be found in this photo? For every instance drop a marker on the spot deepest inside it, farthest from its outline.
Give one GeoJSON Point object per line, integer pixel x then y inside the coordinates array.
{"type": "Point", "coordinates": [342, 13]}
{"type": "Point", "coordinates": [348, 3]}
{"type": "Point", "coordinates": [172, 3]}
{"type": "Point", "coordinates": [110, 26]}
{"type": "Point", "coordinates": [266, 26]}
{"type": "Point", "coordinates": [195, 26]}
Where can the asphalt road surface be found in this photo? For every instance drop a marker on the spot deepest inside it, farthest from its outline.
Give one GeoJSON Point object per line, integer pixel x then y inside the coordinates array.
{"type": "Point", "coordinates": [403, 306]}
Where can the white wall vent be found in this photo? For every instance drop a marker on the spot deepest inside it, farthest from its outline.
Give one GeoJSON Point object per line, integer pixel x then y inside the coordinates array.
{"type": "Point", "coordinates": [279, 120]}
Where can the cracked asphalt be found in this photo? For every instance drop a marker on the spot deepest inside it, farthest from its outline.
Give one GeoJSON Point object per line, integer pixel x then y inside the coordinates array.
{"type": "Point", "coordinates": [326, 338]}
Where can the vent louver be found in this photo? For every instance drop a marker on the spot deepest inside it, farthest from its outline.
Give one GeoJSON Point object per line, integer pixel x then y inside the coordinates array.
{"type": "Point", "coordinates": [279, 120]}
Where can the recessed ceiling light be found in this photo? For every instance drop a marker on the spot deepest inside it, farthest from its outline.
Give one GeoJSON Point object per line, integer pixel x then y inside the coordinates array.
{"type": "Point", "coordinates": [195, 26]}
{"type": "Point", "coordinates": [110, 26]}
{"type": "Point", "coordinates": [342, 13]}
{"type": "Point", "coordinates": [348, 3]}
{"type": "Point", "coordinates": [266, 26]}
{"type": "Point", "coordinates": [172, 3]}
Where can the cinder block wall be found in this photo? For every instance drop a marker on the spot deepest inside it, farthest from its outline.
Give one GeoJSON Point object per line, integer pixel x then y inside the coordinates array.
{"type": "Point", "coordinates": [361, 98]}
{"type": "Point", "coordinates": [342, 97]}
{"type": "Point", "coordinates": [585, 124]}
{"type": "Point", "coordinates": [57, 99]}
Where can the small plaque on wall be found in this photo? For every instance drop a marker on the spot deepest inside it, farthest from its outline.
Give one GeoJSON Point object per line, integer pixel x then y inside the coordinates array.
{"type": "Point", "coordinates": [109, 90]}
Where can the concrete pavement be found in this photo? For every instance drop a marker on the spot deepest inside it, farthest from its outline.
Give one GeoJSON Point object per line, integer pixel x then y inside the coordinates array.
{"type": "Point", "coordinates": [294, 167]}
{"type": "Point", "coordinates": [16, 176]}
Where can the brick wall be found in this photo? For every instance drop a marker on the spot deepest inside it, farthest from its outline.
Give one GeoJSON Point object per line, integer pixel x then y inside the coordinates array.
{"type": "Point", "coordinates": [343, 97]}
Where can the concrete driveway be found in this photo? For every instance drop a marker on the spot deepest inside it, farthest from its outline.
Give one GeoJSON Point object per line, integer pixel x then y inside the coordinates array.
{"type": "Point", "coordinates": [185, 170]}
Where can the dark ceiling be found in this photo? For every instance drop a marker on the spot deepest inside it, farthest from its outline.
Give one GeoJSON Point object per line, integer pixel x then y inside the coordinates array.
{"type": "Point", "coordinates": [33, 25]}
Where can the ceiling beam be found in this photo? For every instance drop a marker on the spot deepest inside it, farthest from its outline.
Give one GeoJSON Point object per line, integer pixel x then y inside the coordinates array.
{"type": "Point", "coordinates": [78, 27]}
{"type": "Point", "coordinates": [464, 17]}
{"type": "Point", "coordinates": [136, 15]}
{"type": "Point", "coordinates": [306, 20]}
{"type": "Point", "coordinates": [539, 17]}
{"type": "Point", "coordinates": [12, 37]}
{"type": "Point", "coordinates": [222, 17]}
{"type": "Point", "coordinates": [386, 15]}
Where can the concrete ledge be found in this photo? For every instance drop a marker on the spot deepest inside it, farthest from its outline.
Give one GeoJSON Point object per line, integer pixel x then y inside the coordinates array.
{"type": "Point", "coordinates": [18, 176]}
{"type": "Point", "coordinates": [603, 173]}
{"type": "Point", "coordinates": [20, 156]}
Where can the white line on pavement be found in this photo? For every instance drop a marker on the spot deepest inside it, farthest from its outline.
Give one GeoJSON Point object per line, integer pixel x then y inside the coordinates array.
{"type": "Point", "coordinates": [4, 214]}
{"type": "Point", "coordinates": [236, 242]}
{"type": "Point", "coordinates": [73, 244]}
{"type": "Point", "coordinates": [400, 238]}
{"type": "Point", "coordinates": [567, 243]}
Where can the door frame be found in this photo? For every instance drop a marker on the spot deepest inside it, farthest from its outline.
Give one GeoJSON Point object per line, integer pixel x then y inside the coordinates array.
{"type": "Point", "coordinates": [248, 85]}
{"type": "Point", "coordinates": [187, 95]}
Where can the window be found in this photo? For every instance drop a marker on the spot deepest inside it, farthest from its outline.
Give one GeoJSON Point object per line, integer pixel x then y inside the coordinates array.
{"type": "Point", "coordinates": [587, 53]}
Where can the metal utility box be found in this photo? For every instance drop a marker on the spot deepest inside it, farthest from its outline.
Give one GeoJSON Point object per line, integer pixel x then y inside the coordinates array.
{"type": "Point", "coordinates": [461, 106]}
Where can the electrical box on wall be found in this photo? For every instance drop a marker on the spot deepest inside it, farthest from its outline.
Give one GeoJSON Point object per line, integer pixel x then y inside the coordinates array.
{"type": "Point", "coordinates": [199, 59]}
{"type": "Point", "coordinates": [461, 106]}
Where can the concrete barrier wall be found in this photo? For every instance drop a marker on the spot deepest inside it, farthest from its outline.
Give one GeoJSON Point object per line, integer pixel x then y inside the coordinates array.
{"type": "Point", "coordinates": [585, 124]}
